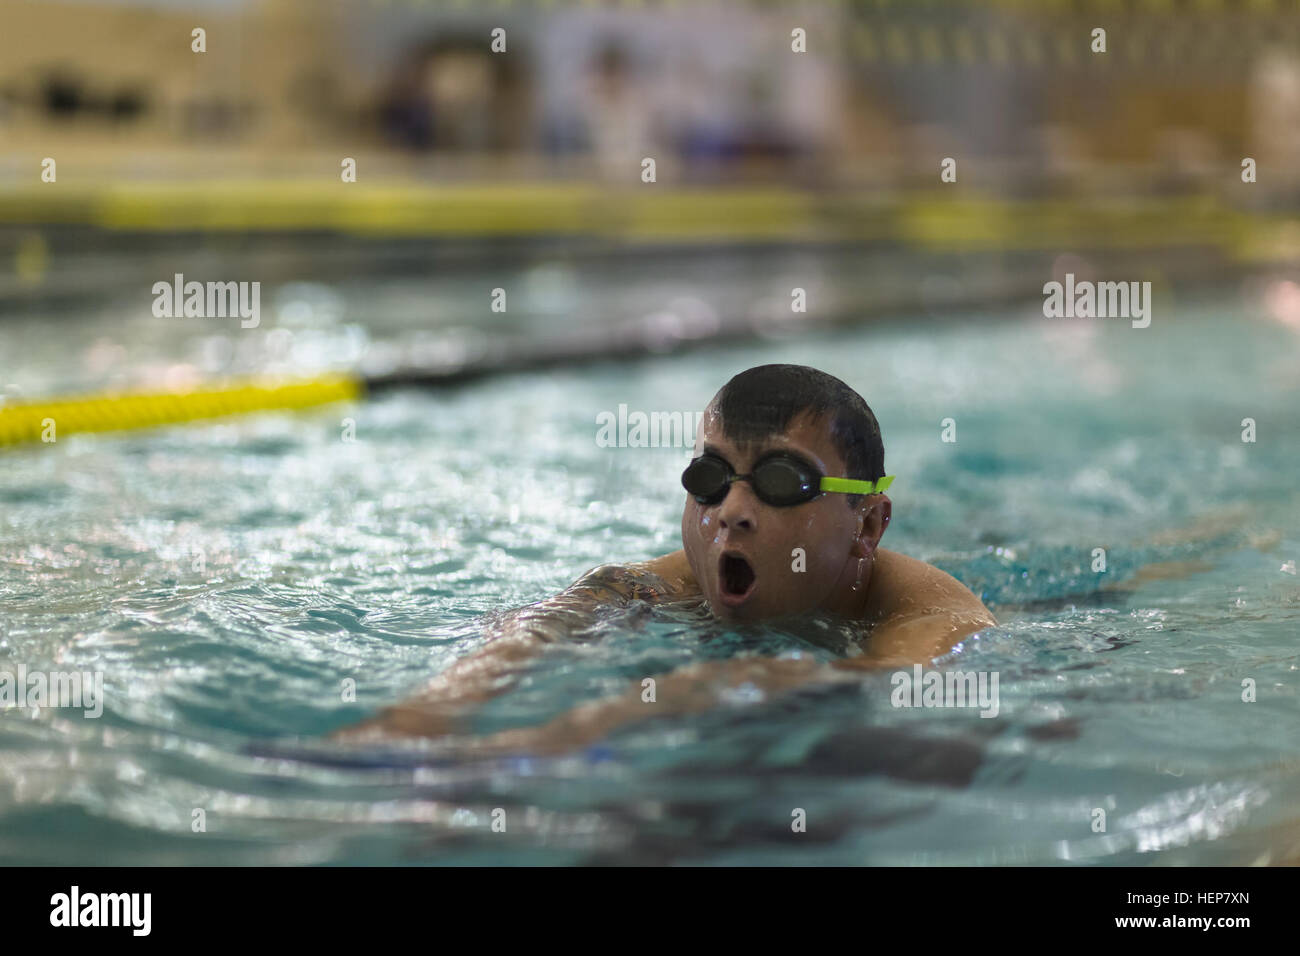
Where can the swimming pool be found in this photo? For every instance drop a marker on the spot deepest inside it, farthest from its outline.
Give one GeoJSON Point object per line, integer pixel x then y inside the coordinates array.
{"type": "Point", "coordinates": [227, 578]}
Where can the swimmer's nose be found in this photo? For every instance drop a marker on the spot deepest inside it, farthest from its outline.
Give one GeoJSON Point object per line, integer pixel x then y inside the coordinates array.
{"type": "Point", "coordinates": [737, 511]}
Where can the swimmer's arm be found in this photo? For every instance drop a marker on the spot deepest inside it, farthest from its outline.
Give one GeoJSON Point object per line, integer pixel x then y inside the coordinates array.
{"type": "Point", "coordinates": [702, 686]}
{"type": "Point", "coordinates": [516, 637]}
{"type": "Point", "coordinates": [688, 690]}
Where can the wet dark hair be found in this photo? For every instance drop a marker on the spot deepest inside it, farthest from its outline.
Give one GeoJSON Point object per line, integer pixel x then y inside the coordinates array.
{"type": "Point", "coordinates": [764, 400]}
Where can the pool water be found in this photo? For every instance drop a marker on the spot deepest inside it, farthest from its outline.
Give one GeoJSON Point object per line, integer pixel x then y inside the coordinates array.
{"type": "Point", "coordinates": [227, 578]}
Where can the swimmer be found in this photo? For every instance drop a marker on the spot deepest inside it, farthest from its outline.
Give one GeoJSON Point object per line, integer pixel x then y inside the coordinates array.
{"type": "Point", "coordinates": [785, 509]}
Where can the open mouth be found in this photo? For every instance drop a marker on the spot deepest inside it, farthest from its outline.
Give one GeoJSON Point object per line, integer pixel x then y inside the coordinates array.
{"type": "Point", "coordinates": [736, 578]}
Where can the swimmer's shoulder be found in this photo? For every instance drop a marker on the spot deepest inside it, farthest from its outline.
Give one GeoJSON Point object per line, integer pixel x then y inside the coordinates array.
{"type": "Point", "coordinates": [673, 572]}
{"type": "Point", "coordinates": [667, 578]}
{"type": "Point", "coordinates": [904, 586]}
{"type": "Point", "coordinates": [915, 612]}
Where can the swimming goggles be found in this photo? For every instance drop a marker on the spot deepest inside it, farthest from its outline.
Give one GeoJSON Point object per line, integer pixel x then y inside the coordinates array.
{"type": "Point", "coordinates": [777, 480]}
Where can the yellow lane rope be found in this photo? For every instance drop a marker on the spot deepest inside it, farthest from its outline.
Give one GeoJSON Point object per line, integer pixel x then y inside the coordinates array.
{"type": "Point", "coordinates": [931, 218]}
{"type": "Point", "coordinates": [52, 419]}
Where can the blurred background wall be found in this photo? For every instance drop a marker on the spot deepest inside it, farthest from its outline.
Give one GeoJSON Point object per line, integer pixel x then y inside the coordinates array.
{"type": "Point", "coordinates": [1183, 85]}
{"type": "Point", "coordinates": [1058, 148]}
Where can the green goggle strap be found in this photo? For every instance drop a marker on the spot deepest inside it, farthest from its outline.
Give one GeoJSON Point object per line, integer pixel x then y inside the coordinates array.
{"type": "Point", "coordinates": [852, 486]}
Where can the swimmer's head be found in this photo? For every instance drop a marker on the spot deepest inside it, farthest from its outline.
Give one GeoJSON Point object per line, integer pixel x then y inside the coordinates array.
{"type": "Point", "coordinates": [756, 560]}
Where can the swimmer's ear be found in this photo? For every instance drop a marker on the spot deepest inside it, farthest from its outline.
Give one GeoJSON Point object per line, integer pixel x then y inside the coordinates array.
{"type": "Point", "coordinates": [872, 522]}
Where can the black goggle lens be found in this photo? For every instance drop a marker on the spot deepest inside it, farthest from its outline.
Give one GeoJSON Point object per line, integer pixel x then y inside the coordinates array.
{"type": "Point", "coordinates": [708, 479]}
{"type": "Point", "coordinates": [776, 481]}
{"type": "Point", "coordinates": [781, 482]}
